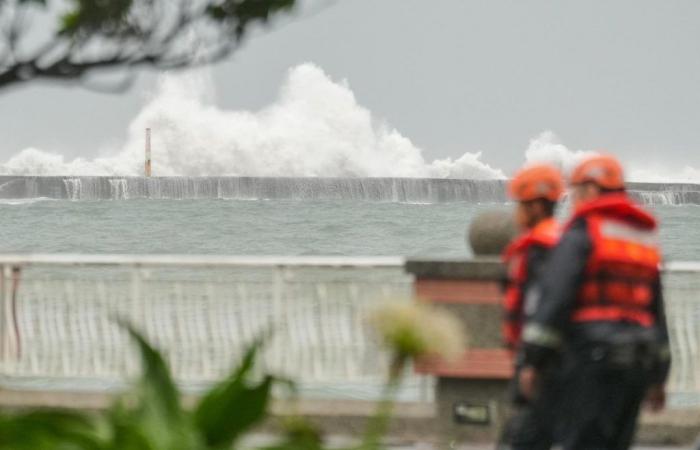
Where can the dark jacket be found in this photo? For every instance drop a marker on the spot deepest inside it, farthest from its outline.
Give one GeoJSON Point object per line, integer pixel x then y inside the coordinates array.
{"type": "Point", "coordinates": [524, 259]}
{"type": "Point", "coordinates": [515, 315]}
{"type": "Point", "coordinates": [550, 329]}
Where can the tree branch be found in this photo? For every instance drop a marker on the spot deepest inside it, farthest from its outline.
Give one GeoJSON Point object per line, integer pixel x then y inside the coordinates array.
{"type": "Point", "coordinates": [161, 33]}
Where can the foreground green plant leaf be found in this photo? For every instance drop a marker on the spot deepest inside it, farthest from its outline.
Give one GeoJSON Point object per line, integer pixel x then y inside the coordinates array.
{"type": "Point", "coordinates": [235, 405]}
{"type": "Point", "coordinates": [157, 421]}
{"type": "Point", "coordinates": [299, 434]}
{"type": "Point", "coordinates": [152, 417]}
{"type": "Point", "coordinates": [63, 430]}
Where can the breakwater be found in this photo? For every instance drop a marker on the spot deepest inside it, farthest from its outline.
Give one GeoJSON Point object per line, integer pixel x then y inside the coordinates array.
{"type": "Point", "coordinates": [418, 190]}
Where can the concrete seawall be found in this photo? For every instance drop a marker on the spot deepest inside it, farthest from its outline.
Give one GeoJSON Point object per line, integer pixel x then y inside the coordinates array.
{"type": "Point", "coordinates": [413, 422]}
{"type": "Point", "coordinates": [412, 190]}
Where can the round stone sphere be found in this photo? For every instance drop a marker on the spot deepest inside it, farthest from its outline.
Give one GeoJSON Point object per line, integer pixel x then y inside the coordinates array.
{"type": "Point", "coordinates": [490, 232]}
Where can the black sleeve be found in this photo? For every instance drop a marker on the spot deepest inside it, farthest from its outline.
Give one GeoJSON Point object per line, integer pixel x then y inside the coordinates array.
{"type": "Point", "coordinates": [559, 284]}
{"type": "Point", "coordinates": [562, 277]}
{"type": "Point", "coordinates": [663, 363]}
{"type": "Point", "coordinates": [536, 262]}
{"type": "Point", "coordinates": [537, 258]}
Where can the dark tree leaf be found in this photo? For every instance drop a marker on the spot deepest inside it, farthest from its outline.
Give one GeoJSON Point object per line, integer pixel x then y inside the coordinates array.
{"type": "Point", "coordinates": [36, 2]}
{"type": "Point", "coordinates": [97, 16]}
{"type": "Point", "coordinates": [122, 34]}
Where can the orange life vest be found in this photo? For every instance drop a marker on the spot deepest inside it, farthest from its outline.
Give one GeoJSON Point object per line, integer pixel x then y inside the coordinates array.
{"type": "Point", "coordinates": [624, 262]}
{"type": "Point", "coordinates": [545, 234]}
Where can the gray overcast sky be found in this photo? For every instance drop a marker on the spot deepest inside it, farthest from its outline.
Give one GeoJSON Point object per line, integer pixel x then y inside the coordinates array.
{"type": "Point", "coordinates": [451, 75]}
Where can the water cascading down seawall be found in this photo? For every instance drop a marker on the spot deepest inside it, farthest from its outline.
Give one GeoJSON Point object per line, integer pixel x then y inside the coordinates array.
{"type": "Point", "coordinates": [250, 188]}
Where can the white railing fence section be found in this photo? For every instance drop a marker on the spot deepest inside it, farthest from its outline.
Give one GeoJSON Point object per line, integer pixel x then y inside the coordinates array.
{"type": "Point", "coordinates": [682, 295]}
{"type": "Point", "coordinates": [58, 320]}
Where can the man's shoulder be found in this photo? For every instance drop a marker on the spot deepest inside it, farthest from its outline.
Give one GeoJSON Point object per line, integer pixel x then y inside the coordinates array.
{"type": "Point", "coordinates": [576, 231]}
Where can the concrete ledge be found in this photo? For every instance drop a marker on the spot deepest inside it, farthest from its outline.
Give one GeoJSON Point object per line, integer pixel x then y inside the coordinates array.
{"type": "Point", "coordinates": [21, 399]}
{"type": "Point", "coordinates": [490, 269]}
{"type": "Point", "coordinates": [413, 422]}
{"type": "Point", "coordinates": [670, 427]}
{"type": "Point", "coordinates": [26, 399]}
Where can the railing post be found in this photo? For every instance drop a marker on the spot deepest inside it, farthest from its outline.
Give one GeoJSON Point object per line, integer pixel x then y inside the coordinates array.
{"type": "Point", "coordinates": [135, 312]}
{"type": "Point", "coordinates": [10, 344]}
{"type": "Point", "coordinates": [278, 273]}
{"type": "Point", "coordinates": [4, 323]}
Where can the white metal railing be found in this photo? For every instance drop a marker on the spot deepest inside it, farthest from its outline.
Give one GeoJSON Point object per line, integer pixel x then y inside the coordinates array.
{"type": "Point", "coordinates": [68, 259]}
{"type": "Point", "coordinates": [58, 313]}
{"type": "Point", "coordinates": [682, 295]}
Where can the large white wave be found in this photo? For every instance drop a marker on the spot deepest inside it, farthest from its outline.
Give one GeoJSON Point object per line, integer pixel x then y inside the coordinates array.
{"type": "Point", "coordinates": [687, 174]}
{"type": "Point", "coordinates": [315, 128]}
{"type": "Point", "coordinates": [547, 147]}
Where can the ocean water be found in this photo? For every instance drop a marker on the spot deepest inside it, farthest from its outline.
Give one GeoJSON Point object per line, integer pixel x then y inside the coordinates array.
{"type": "Point", "coordinates": [272, 227]}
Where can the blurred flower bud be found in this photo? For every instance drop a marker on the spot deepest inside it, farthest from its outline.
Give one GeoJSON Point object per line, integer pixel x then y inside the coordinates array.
{"type": "Point", "coordinates": [415, 330]}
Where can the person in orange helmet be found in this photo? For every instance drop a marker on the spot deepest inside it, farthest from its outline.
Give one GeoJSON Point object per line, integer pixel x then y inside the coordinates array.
{"type": "Point", "coordinates": [600, 313]}
{"type": "Point", "coordinates": [536, 189]}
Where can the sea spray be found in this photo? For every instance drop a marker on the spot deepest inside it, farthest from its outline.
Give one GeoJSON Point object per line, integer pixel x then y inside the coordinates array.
{"type": "Point", "coordinates": [315, 128]}
{"type": "Point", "coordinates": [547, 148]}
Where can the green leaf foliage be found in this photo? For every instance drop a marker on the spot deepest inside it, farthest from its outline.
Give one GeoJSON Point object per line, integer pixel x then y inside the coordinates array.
{"type": "Point", "coordinates": [111, 17]}
{"type": "Point", "coordinates": [239, 13]}
{"type": "Point", "coordinates": [96, 35]}
{"type": "Point", "coordinates": [151, 416]}
{"type": "Point", "coordinates": [97, 17]}
{"type": "Point", "coordinates": [158, 394]}
{"type": "Point", "coordinates": [40, 429]}
{"type": "Point", "coordinates": [299, 435]}
{"type": "Point", "coordinates": [36, 2]}
{"type": "Point", "coordinates": [235, 405]}
{"type": "Point", "coordinates": [157, 420]}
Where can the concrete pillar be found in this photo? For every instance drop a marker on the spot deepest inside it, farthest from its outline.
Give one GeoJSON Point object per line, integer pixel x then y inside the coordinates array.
{"type": "Point", "coordinates": [471, 393]}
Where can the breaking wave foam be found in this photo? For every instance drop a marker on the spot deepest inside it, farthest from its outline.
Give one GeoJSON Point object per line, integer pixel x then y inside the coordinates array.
{"type": "Point", "coordinates": [315, 128]}
{"type": "Point", "coordinates": [547, 148]}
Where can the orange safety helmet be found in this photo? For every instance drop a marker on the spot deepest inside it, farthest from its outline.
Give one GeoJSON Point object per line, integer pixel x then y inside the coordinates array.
{"type": "Point", "coordinates": [540, 181]}
{"type": "Point", "coordinates": [603, 170]}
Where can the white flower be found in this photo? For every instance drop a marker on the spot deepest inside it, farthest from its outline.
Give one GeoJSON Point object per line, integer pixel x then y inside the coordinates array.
{"type": "Point", "coordinates": [417, 330]}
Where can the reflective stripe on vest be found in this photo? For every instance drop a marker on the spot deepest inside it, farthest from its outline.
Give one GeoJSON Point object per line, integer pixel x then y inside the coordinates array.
{"type": "Point", "coordinates": [613, 314]}
{"type": "Point", "coordinates": [620, 276]}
